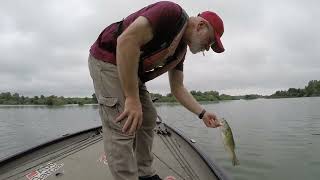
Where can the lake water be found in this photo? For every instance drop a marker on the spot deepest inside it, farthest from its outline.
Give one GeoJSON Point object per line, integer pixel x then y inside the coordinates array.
{"type": "Point", "coordinates": [275, 138]}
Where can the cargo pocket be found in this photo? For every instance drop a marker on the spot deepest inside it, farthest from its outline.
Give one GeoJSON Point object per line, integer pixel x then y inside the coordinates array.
{"type": "Point", "coordinates": [110, 110]}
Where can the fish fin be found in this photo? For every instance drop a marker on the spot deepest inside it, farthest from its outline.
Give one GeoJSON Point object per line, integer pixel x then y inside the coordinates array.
{"type": "Point", "coordinates": [235, 160]}
{"type": "Point", "coordinates": [225, 145]}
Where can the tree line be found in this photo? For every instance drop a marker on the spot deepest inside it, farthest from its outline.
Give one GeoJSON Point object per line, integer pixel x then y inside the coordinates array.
{"type": "Point", "coordinates": [311, 90]}
{"type": "Point", "coordinates": [198, 95]}
{"type": "Point", "coordinates": [6, 98]}
{"type": "Point", "coordinates": [15, 99]}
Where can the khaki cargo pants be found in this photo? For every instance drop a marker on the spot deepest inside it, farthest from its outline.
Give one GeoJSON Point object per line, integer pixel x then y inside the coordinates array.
{"type": "Point", "coordinates": [129, 156]}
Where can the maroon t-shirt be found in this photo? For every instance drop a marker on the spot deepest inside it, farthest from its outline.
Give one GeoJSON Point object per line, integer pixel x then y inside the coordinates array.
{"type": "Point", "coordinates": [163, 17]}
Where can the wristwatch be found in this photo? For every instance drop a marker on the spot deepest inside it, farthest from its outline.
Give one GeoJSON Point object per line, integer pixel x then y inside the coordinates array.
{"type": "Point", "coordinates": [202, 113]}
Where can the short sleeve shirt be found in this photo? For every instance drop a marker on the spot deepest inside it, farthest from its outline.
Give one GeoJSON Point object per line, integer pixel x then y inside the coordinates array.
{"type": "Point", "coordinates": [162, 16]}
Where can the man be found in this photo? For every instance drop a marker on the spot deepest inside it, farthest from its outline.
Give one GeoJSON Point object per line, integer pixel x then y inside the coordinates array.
{"type": "Point", "coordinates": [128, 53]}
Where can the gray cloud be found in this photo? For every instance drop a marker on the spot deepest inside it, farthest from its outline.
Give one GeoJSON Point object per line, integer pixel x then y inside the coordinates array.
{"type": "Point", "coordinates": [270, 45]}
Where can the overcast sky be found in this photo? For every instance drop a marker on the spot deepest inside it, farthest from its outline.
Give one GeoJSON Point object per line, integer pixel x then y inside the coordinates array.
{"type": "Point", "coordinates": [270, 45]}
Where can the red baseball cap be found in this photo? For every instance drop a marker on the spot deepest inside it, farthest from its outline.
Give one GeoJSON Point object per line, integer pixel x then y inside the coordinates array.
{"type": "Point", "coordinates": [218, 29]}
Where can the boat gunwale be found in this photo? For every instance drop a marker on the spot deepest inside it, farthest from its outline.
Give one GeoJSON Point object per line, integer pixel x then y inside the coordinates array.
{"type": "Point", "coordinates": [45, 144]}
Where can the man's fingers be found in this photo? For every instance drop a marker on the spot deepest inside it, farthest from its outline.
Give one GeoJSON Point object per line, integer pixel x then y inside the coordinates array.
{"type": "Point", "coordinates": [213, 123]}
{"type": "Point", "coordinates": [216, 125]}
{"type": "Point", "coordinates": [217, 122]}
{"type": "Point", "coordinates": [127, 124]}
{"type": "Point", "coordinates": [208, 124]}
{"type": "Point", "coordinates": [170, 178]}
{"type": "Point", "coordinates": [140, 123]}
{"type": "Point", "coordinates": [121, 116]}
{"type": "Point", "coordinates": [134, 125]}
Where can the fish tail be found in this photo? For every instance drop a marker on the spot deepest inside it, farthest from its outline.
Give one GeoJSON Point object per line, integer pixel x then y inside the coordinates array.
{"type": "Point", "coordinates": [235, 160]}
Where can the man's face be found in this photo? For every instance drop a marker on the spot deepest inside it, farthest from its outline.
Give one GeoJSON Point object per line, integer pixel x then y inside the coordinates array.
{"type": "Point", "coordinates": [201, 38]}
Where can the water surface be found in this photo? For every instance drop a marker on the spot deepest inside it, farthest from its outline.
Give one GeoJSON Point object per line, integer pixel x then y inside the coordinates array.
{"type": "Point", "coordinates": [275, 138]}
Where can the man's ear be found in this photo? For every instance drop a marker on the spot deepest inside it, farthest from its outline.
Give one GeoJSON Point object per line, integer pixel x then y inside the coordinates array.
{"type": "Point", "coordinates": [201, 25]}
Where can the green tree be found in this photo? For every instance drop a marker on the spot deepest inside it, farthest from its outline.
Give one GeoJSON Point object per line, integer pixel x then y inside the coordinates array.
{"type": "Point", "coordinates": [94, 97]}
{"type": "Point", "coordinates": [313, 88]}
{"type": "Point", "coordinates": [6, 96]}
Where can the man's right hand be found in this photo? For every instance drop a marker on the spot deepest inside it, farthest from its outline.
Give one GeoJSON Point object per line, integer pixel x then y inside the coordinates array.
{"type": "Point", "coordinates": [133, 113]}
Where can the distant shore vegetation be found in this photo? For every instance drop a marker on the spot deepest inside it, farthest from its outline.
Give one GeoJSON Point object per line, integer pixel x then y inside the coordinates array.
{"type": "Point", "coordinates": [311, 90]}
{"type": "Point", "coordinates": [7, 98]}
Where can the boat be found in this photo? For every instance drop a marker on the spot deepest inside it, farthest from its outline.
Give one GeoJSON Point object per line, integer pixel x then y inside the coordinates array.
{"type": "Point", "coordinates": [80, 156]}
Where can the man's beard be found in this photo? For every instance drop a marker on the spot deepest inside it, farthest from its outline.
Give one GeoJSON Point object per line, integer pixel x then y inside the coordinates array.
{"type": "Point", "coordinates": [195, 44]}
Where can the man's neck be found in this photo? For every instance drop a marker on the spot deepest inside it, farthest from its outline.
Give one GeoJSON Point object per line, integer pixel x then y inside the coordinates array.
{"type": "Point", "coordinates": [187, 33]}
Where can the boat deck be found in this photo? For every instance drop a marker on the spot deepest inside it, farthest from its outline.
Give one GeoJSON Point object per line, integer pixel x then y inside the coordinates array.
{"type": "Point", "coordinates": [80, 156]}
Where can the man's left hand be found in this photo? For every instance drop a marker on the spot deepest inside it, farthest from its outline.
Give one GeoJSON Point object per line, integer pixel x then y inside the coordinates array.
{"type": "Point", "coordinates": [211, 120]}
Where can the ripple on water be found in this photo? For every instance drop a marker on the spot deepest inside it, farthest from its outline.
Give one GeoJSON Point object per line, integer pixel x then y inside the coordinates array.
{"type": "Point", "coordinates": [248, 169]}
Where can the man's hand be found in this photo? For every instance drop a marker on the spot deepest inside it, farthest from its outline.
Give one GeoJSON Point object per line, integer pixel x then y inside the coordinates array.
{"type": "Point", "coordinates": [133, 113]}
{"type": "Point", "coordinates": [211, 120]}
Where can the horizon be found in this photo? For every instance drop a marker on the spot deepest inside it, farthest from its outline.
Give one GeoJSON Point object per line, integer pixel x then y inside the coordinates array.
{"type": "Point", "coordinates": [163, 94]}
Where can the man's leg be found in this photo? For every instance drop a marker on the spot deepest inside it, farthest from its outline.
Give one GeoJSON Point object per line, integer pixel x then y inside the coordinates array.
{"type": "Point", "coordinates": [118, 146]}
{"type": "Point", "coordinates": [144, 136]}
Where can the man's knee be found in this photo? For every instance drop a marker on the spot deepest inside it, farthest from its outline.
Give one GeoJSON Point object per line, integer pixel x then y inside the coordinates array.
{"type": "Point", "coordinates": [122, 161]}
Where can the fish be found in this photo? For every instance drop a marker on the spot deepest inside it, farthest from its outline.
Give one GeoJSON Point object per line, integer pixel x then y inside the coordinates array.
{"type": "Point", "coordinates": [228, 141]}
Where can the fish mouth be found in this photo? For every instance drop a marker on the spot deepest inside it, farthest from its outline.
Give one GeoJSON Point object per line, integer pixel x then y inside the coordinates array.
{"type": "Point", "coordinates": [221, 120]}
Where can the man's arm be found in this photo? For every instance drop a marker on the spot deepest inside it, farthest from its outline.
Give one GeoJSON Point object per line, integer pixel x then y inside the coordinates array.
{"type": "Point", "coordinates": [128, 52]}
{"type": "Point", "coordinates": [187, 100]}
{"type": "Point", "coordinates": [181, 93]}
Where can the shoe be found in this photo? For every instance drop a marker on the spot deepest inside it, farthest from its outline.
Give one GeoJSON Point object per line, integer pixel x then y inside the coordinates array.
{"type": "Point", "coordinates": [154, 177]}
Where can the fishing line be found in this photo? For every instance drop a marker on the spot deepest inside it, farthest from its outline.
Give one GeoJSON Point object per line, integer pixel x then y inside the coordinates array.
{"type": "Point", "coordinates": [174, 155]}
{"type": "Point", "coordinates": [178, 152]}
{"type": "Point", "coordinates": [190, 167]}
{"type": "Point", "coordinates": [169, 166]}
{"type": "Point", "coordinates": [180, 156]}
